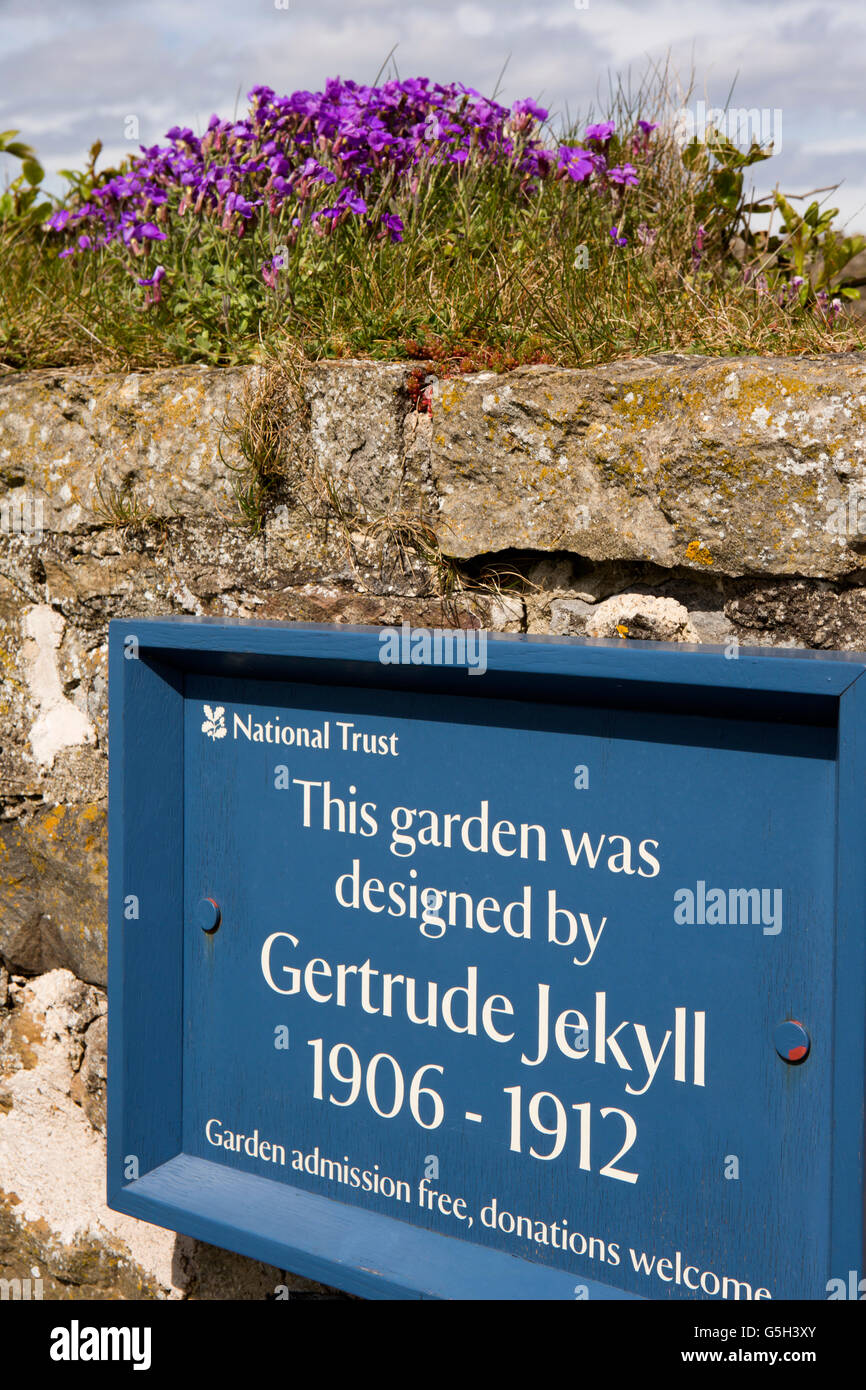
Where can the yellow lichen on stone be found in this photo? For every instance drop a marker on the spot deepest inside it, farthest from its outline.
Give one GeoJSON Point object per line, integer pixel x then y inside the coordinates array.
{"type": "Point", "coordinates": [698, 552]}
{"type": "Point", "coordinates": [53, 819]}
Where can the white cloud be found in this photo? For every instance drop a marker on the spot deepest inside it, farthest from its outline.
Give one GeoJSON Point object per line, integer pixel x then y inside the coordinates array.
{"type": "Point", "coordinates": [836, 145]}
{"type": "Point", "coordinates": [475, 20]}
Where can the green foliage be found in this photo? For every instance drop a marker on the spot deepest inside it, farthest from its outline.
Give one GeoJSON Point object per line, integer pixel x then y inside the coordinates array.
{"type": "Point", "coordinates": [19, 201]}
{"type": "Point", "coordinates": [810, 249]}
{"type": "Point", "coordinates": [799, 264]}
{"type": "Point", "coordinates": [719, 167]}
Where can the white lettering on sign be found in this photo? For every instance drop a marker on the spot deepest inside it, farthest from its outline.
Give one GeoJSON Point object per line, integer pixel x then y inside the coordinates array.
{"type": "Point", "coordinates": [512, 884]}
{"type": "Point", "coordinates": [456, 1007]}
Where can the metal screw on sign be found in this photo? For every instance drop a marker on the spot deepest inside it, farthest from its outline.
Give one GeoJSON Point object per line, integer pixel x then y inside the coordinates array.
{"type": "Point", "coordinates": [792, 1041]}
{"type": "Point", "coordinates": [207, 914]}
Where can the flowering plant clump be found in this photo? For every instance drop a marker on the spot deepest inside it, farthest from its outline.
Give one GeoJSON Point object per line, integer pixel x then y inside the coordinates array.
{"type": "Point", "coordinates": [313, 161]}
{"type": "Point", "coordinates": [421, 220]}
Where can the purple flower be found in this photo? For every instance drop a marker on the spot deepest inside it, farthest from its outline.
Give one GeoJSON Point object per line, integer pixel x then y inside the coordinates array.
{"type": "Point", "coordinates": [791, 292]}
{"type": "Point", "coordinates": [155, 278]}
{"type": "Point", "coordinates": [378, 137]}
{"type": "Point", "coordinates": [640, 140]}
{"type": "Point", "coordinates": [153, 294]}
{"type": "Point", "coordinates": [529, 108]}
{"type": "Point", "coordinates": [624, 174]}
{"type": "Point", "coordinates": [236, 202]}
{"type": "Point", "coordinates": [616, 233]}
{"type": "Point", "coordinates": [312, 169]}
{"type": "Point", "coordinates": [576, 162]}
{"type": "Point", "coordinates": [826, 307]}
{"type": "Point", "coordinates": [600, 133]}
{"type": "Point", "coordinates": [394, 225]}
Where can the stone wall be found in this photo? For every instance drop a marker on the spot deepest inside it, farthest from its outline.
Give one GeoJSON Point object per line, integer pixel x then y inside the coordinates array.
{"type": "Point", "coordinates": [678, 499]}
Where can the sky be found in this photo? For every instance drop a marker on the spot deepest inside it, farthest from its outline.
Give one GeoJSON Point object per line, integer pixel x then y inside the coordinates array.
{"type": "Point", "coordinates": [72, 71]}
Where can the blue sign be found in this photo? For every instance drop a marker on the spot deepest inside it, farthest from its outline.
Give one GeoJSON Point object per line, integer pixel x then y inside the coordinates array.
{"type": "Point", "coordinates": [536, 970]}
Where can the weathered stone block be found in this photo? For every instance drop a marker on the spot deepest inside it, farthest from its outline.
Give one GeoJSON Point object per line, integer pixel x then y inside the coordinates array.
{"type": "Point", "coordinates": [738, 467]}
{"type": "Point", "coordinates": [156, 435]}
{"type": "Point", "coordinates": [53, 908]}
